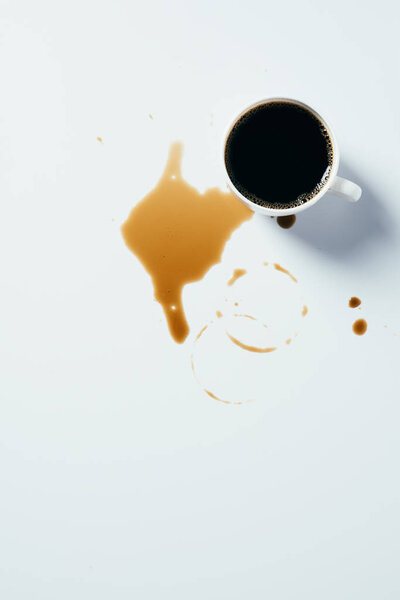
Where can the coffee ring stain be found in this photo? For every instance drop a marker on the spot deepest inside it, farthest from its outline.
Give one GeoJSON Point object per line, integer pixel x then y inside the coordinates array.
{"type": "Point", "coordinates": [249, 348]}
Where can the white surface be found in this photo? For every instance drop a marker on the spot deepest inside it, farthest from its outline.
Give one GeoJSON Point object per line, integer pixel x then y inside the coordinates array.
{"type": "Point", "coordinates": [119, 477]}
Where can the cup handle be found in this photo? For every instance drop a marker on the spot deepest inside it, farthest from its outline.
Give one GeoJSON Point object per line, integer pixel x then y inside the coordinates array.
{"type": "Point", "coordinates": [346, 189]}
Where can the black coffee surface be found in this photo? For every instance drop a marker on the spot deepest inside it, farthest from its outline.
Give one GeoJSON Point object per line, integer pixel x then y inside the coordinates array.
{"type": "Point", "coordinates": [279, 155]}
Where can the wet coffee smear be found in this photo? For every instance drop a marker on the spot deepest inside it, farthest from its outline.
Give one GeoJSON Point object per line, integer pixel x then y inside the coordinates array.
{"type": "Point", "coordinates": [304, 311]}
{"type": "Point", "coordinates": [354, 302]}
{"type": "Point", "coordinates": [360, 326]}
{"type": "Point", "coordinates": [178, 234]}
{"type": "Point", "coordinates": [287, 221]}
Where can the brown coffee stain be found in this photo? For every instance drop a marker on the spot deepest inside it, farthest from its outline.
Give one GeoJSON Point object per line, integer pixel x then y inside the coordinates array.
{"type": "Point", "coordinates": [354, 302]}
{"type": "Point", "coordinates": [236, 304]}
{"type": "Point", "coordinates": [99, 139]}
{"type": "Point", "coordinates": [360, 326]}
{"type": "Point", "coordinates": [219, 314]}
{"type": "Point", "coordinates": [178, 234]}
{"type": "Point", "coordinates": [201, 332]}
{"type": "Point", "coordinates": [282, 270]}
{"type": "Point", "coordinates": [304, 311]}
{"type": "Point", "coordinates": [245, 316]}
{"type": "Point", "coordinates": [216, 397]}
{"type": "Point", "coordinates": [288, 341]}
{"type": "Point", "coordinates": [286, 222]}
{"type": "Point", "coordinates": [151, 116]}
{"type": "Point", "coordinates": [236, 274]}
{"type": "Point", "coordinates": [248, 348]}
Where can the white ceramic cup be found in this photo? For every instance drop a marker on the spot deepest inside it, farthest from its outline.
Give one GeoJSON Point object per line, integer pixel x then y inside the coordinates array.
{"type": "Point", "coordinates": [338, 185]}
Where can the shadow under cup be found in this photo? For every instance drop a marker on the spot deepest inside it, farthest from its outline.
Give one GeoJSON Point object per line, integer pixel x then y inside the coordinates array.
{"type": "Point", "coordinates": [279, 156]}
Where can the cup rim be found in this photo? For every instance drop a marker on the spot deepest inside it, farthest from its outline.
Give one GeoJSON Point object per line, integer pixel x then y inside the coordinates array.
{"type": "Point", "coordinates": [296, 209]}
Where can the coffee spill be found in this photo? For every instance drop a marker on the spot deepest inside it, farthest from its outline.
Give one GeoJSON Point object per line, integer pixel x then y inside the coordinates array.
{"type": "Point", "coordinates": [99, 139]}
{"type": "Point", "coordinates": [236, 304]}
{"type": "Point", "coordinates": [288, 341]}
{"type": "Point", "coordinates": [219, 314]}
{"type": "Point", "coordinates": [282, 270]}
{"type": "Point", "coordinates": [236, 274]}
{"type": "Point", "coordinates": [354, 302]}
{"type": "Point", "coordinates": [248, 348]}
{"type": "Point", "coordinates": [286, 222]}
{"type": "Point", "coordinates": [178, 234]}
{"type": "Point", "coordinates": [151, 116]}
{"type": "Point", "coordinates": [304, 311]}
{"type": "Point", "coordinates": [360, 326]}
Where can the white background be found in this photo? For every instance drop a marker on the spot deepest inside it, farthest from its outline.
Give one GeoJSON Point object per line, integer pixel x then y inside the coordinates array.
{"type": "Point", "coordinates": [119, 477]}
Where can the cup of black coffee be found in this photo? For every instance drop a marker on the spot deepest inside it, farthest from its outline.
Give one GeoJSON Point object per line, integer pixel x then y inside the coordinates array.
{"type": "Point", "coordinates": [281, 157]}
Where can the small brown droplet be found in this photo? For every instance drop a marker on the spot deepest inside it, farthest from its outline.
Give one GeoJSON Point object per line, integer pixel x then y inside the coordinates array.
{"type": "Point", "coordinates": [219, 314]}
{"type": "Point", "coordinates": [360, 326]}
{"type": "Point", "coordinates": [288, 341]}
{"type": "Point", "coordinates": [304, 311]}
{"type": "Point", "coordinates": [286, 222]}
{"type": "Point", "coordinates": [151, 116]}
{"type": "Point", "coordinates": [354, 302]}
{"type": "Point", "coordinates": [99, 139]}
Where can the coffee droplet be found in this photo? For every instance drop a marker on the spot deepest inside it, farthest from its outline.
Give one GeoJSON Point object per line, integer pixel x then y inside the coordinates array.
{"type": "Point", "coordinates": [354, 302]}
{"type": "Point", "coordinates": [178, 234]}
{"type": "Point", "coordinates": [304, 311]}
{"type": "Point", "coordinates": [286, 222]}
{"type": "Point", "coordinates": [360, 326]}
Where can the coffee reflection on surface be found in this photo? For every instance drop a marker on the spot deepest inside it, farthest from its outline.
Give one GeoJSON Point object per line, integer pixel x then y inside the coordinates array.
{"type": "Point", "coordinates": [178, 234]}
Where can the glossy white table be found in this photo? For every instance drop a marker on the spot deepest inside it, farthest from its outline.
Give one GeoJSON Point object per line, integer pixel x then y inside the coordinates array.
{"type": "Point", "coordinates": [120, 478]}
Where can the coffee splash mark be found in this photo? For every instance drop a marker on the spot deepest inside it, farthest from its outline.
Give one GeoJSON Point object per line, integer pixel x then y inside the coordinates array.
{"type": "Point", "coordinates": [201, 332]}
{"type": "Point", "coordinates": [249, 348]}
{"type": "Point", "coordinates": [236, 274]}
{"type": "Point", "coordinates": [360, 326]}
{"type": "Point", "coordinates": [304, 311]}
{"type": "Point", "coordinates": [99, 139]}
{"type": "Point", "coordinates": [354, 302]}
{"type": "Point", "coordinates": [245, 317]}
{"type": "Point", "coordinates": [219, 314]}
{"type": "Point", "coordinates": [178, 234]}
{"type": "Point", "coordinates": [282, 270]}
{"type": "Point", "coordinates": [287, 221]}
